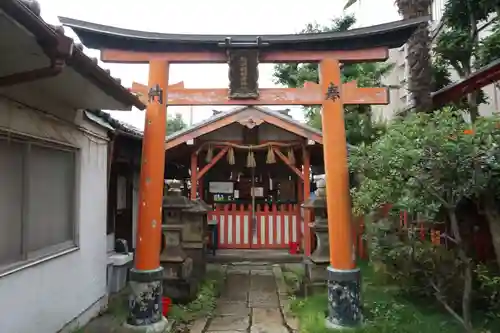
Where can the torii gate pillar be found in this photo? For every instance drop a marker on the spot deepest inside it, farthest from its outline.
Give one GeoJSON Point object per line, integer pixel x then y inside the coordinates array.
{"type": "Point", "coordinates": [343, 277]}
{"type": "Point", "coordinates": [145, 305]}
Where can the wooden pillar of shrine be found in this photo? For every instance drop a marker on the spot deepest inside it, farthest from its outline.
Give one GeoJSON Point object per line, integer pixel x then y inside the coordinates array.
{"type": "Point", "coordinates": [343, 277]}
{"type": "Point", "coordinates": [145, 306]}
{"type": "Point", "coordinates": [194, 174]}
{"type": "Point", "coordinates": [307, 193]}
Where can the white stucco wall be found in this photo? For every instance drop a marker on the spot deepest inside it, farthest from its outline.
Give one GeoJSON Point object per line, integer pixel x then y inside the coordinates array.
{"type": "Point", "coordinates": [43, 298]}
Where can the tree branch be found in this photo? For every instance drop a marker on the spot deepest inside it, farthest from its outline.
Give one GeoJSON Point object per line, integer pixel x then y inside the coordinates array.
{"type": "Point", "coordinates": [446, 305]}
{"type": "Point", "coordinates": [434, 194]}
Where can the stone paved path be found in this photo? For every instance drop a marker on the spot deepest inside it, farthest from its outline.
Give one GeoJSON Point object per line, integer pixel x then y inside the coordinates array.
{"type": "Point", "coordinates": [253, 300]}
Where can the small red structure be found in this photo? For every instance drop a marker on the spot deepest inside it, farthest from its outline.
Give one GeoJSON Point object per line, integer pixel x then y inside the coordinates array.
{"type": "Point", "coordinates": [294, 248]}
{"type": "Point", "coordinates": [166, 302]}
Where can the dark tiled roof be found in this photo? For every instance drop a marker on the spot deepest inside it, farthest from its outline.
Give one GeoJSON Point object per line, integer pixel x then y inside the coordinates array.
{"type": "Point", "coordinates": [391, 35]}
{"type": "Point", "coordinates": [27, 14]}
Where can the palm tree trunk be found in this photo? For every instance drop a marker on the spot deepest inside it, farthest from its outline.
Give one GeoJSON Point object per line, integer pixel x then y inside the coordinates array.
{"type": "Point", "coordinates": [419, 62]}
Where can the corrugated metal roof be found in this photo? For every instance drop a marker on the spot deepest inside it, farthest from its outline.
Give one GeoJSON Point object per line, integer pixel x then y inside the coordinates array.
{"type": "Point", "coordinates": [105, 119]}
{"type": "Point", "coordinates": [98, 120]}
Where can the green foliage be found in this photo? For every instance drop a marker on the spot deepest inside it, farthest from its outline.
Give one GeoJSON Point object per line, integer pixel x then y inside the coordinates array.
{"type": "Point", "coordinates": [293, 277]}
{"type": "Point", "coordinates": [175, 123]}
{"type": "Point", "coordinates": [359, 125]}
{"type": "Point", "coordinates": [488, 286]}
{"type": "Point", "coordinates": [294, 75]}
{"type": "Point", "coordinates": [424, 272]}
{"type": "Point", "coordinates": [383, 309]}
{"type": "Point", "coordinates": [489, 47]}
{"type": "Point", "coordinates": [462, 14]}
{"type": "Point", "coordinates": [427, 162]}
{"type": "Point", "coordinates": [427, 165]}
{"type": "Point", "coordinates": [458, 44]}
{"type": "Point", "coordinates": [420, 269]}
{"type": "Point", "coordinates": [203, 305]}
{"type": "Point", "coordinates": [455, 46]}
{"type": "Point", "coordinates": [441, 76]}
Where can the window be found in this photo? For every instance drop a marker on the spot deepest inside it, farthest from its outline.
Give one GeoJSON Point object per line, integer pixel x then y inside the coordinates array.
{"type": "Point", "coordinates": [37, 200]}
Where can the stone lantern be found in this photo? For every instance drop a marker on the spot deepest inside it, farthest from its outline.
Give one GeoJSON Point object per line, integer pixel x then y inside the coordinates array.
{"type": "Point", "coordinates": [317, 263]}
{"type": "Point", "coordinates": [178, 283]}
{"type": "Point", "coordinates": [194, 235]}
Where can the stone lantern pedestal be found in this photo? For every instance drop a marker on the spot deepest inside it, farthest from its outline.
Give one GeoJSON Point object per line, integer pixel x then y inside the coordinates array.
{"type": "Point", "coordinates": [194, 237]}
{"type": "Point", "coordinates": [316, 264]}
{"type": "Point", "coordinates": [178, 282]}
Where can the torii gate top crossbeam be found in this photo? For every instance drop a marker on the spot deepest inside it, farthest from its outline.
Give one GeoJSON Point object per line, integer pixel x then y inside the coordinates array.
{"type": "Point", "coordinates": [382, 37]}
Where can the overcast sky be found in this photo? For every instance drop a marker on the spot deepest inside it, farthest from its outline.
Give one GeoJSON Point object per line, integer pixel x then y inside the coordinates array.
{"type": "Point", "coordinates": [208, 17]}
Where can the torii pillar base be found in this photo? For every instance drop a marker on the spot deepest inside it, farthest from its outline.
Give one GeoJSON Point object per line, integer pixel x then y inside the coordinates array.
{"type": "Point", "coordinates": [159, 327]}
{"type": "Point", "coordinates": [344, 304]}
{"type": "Point", "coordinates": [145, 305]}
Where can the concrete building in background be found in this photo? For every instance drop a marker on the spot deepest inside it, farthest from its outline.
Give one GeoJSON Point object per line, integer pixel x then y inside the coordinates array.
{"type": "Point", "coordinates": [400, 99]}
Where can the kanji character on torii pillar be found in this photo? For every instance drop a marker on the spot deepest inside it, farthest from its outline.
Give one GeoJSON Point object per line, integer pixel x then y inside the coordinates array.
{"type": "Point", "coordinates": [243, 53]}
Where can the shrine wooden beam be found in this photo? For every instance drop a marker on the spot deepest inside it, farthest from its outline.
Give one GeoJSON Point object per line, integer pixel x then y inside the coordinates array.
{"type": "Point", "coordinates": [310, 94]}
{"type": "Point", "coordinates": [142, 90]}
{"type": "Point", "coordinates": [287, 162]}
{"type": "Point", "coordinates": [306, 158]}
{"type": "Point", "coordinates": [214, 160]}
{"type": "Point", "coordinates": [194, 177]}
{"type": "Point", "coordinates": [350, 56]}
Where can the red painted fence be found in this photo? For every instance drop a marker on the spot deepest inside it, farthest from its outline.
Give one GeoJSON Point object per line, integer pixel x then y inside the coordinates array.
{"type": "Point", "coordinates": [425, 233]}
{"type": "Point", "coordinates": [276, 225]}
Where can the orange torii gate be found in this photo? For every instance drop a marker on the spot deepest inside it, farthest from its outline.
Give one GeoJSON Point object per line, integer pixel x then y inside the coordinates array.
{"type": "Point", "coordinates": [310, 94]}
{"type": "Point", "coordinates": [243, 54]}
{"type": "Point", "coordinates": [142, 91]}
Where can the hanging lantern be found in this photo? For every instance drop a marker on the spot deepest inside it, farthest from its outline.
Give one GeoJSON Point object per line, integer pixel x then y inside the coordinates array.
{"type": "Point", "coordinates": [210, 154]}
{"type": "Point", "coordinates": [270, 158]}
{"type": "Point", "coordinates": [291, 156]}
{"type": "Point", "coordinates": [230, 156]}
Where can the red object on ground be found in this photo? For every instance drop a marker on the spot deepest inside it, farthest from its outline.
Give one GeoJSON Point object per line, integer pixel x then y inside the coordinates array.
{"type": "Point", "coordinates": [293, 248]}
{"type": "Point", "coordinates": [166, 302]}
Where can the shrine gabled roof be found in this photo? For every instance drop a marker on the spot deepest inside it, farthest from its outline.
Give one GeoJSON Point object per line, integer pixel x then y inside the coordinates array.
{"type": "Point", "coordinates": [99, 36]}
{"type": "Point", "coordinates": [215, 122]}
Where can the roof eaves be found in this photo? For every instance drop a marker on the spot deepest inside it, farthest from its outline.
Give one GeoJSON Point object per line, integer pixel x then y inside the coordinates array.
{"type": "Point", "coordinates": [187, 39]}
{"type": "Point", "coordinates": [28, 15]}
{"type": "Point", "coordinates": [118, 126]}
{"type": "Point", "coordinates": [290, 120]}
{"type": "Point", "coordinates": [205, 122]}
{"type": "Point", "coordinates": [87, 68]}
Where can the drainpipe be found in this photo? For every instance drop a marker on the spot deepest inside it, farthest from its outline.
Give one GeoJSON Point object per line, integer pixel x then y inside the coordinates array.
{"type": "Point", "coordinates": [111, 149]}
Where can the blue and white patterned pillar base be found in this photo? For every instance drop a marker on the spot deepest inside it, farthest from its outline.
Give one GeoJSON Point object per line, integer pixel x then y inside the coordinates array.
{"type": "Point", "coordinates": [145, 305]}
{"type": "Point", "coordinates": [344, 304]}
